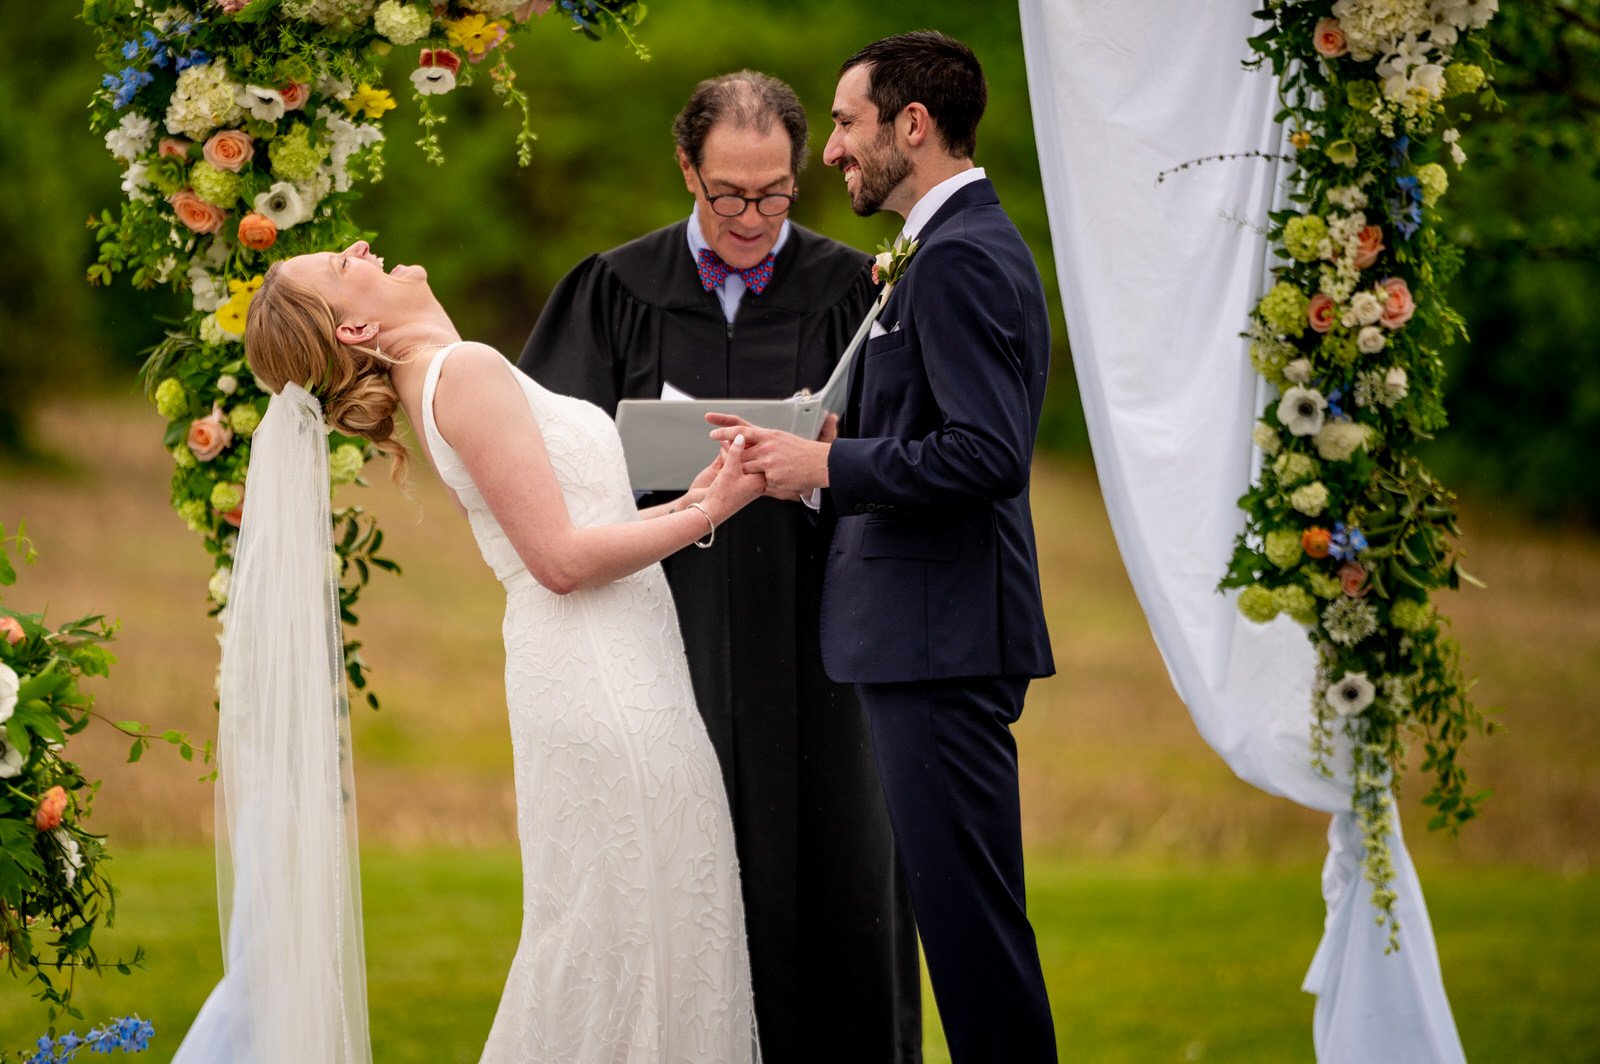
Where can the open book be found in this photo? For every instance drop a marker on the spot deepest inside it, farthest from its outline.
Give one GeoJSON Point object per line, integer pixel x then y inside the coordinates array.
{"type": "Point", "coordinates": [667, 441]}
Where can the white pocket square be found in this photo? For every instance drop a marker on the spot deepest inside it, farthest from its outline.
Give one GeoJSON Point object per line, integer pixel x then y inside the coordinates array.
{"type": "Point", "coordinates": [878, 330]}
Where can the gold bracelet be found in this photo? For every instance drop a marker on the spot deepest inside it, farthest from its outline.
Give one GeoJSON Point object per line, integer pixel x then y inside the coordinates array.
{"type": "Point", "coordinates": [711, 537]}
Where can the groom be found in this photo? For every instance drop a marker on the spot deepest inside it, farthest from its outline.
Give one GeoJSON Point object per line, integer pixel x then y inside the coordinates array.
{"type": "Point", "coordinates": [931, 601]}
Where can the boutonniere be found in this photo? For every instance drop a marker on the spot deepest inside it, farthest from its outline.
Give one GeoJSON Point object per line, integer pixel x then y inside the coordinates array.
{"type": "Point", "coordinates": [892, 262]}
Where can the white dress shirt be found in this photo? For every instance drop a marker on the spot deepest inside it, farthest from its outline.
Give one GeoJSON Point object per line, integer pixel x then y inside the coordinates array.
{"type": "Point", "coordinates": [936, 197]}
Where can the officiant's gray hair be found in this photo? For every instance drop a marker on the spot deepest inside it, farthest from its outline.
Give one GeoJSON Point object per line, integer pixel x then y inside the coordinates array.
{"type": "Point", "coordinates": [748, 99]}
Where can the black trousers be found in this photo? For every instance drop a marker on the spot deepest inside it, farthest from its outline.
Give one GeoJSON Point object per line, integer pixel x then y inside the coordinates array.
{"type": "Point", "coordinates": [949, 769]}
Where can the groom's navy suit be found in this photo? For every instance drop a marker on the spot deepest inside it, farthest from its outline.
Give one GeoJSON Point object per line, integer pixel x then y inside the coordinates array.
{"type": "Point", "coordinates": [931, 602]}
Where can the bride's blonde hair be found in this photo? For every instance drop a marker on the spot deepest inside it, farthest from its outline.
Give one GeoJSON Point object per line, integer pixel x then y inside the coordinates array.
{"type": "Point", "coordinates": [290, 335]}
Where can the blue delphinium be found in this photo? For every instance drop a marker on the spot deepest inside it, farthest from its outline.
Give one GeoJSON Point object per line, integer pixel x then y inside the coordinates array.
{"type": "Point", "coordinates": [129, 1034]}
{"type": "Point", "coordinates": [126, 85]}
{"type": "Point", "coordinates": [1346, 543]}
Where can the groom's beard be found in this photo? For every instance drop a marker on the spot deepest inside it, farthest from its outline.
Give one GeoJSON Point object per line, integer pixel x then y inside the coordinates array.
{"type": "Point", "coordinates": [879, 174]}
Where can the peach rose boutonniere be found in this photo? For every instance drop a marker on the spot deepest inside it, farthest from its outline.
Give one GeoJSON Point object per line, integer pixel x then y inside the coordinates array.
{"type": "Point", "coordinates": [209, 435]}
{"type": "Point", "coordinates": [892, 262]}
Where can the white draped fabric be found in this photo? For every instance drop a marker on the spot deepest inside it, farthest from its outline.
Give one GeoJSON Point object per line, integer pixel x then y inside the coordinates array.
{"type": "Point", "coordinates": [1157, 283]}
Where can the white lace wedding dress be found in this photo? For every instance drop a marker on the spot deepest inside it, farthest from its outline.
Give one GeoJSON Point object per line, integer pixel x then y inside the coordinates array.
{"type": "Point", "coordinates": [633, 939]}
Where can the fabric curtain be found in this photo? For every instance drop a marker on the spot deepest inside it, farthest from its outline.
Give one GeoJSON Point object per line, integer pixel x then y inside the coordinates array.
{"type": "Point", "coordinates": [1157, 280]}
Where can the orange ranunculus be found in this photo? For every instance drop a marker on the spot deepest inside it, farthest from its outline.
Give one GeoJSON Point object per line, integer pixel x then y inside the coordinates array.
{"type": "Point", "coordinates": [1371, 246]}
{"type": "Point", "coordinates": [195, 212]}
{"type": "Point", "coordinates": [257, 231]}
{"type": "Point", "coordinates": [1316, 541]}
{"type": "Point", "coordinates": [48, 816]}
{"type": "Point", "coordinates": [229, 149]}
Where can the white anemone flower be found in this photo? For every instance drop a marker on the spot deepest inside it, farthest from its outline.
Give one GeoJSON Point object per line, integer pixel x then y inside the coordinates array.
{"type": "Point", "coordinates": [10, 759]}
{"type": "Point", "coordinates": [1353, 693]}
{"type": "Point", "coordinates": [264, 104]}
{"type": "Point", "coordinates": [9, 686]}
{"type": "Point", "coordinates": [1301, 411]}
{"type": "Point", "coordinates": [283, 205]}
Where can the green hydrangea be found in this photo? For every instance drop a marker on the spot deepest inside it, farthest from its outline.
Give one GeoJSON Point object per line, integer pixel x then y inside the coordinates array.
{"type": "Point", "coordinates": [1310, 499]}
{"type": "Point", "coordinates": [1411, 615]}
{"type": "Point", "coordinates": [1304, 237]}
{"type": "Point", "coordinates": [217, 187]}
{"type": "Point", "coordinates": [294, 156]}
{"type": "Point", "coordinates": [1283, 548]}
{"type": "Point", "coordinates": [1343, 152]}
{"type": "Point", "coordinates": [345, 463]}
{"type": "Point", "coordinates": [1258, 604]}
{"type": "Point", "coordinates": [243, 419]}
{"type": "Point", "coordinates": [1284, 309]}
{"type": "Point", "coordinates": [1434, 181]}
{"type": "Point", "coordinates": [1324, 585]}
{"type": "Point", "coordinates": [172, 402]}
{"type": "Point", "coordinates": [1462, 78]}
{"type": "Point", "coordinates": [1364, 95]}
{"type": "Point", "coordinates": [1297, 602]}
{"type": "Point", "coordinates": [1292, 467]}
{"type": "Point", "coordinates": [1340, 347]}
{"type": "Point", "coordinates": [403, 24]}
{"type": "Point", "coordinates": [184, 457]}
{"type": "Point", "coordinates": [194, 514]}
{"type": "Point", "coordinates": [225, 497]}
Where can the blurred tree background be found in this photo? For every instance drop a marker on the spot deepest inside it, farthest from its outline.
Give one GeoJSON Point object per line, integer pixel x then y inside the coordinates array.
{"type": "Point", "coordinates": [1525, 395]}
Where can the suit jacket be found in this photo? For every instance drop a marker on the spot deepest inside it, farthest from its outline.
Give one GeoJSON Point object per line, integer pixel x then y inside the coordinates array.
{"type": "Point", "coordinates": [933, 572]}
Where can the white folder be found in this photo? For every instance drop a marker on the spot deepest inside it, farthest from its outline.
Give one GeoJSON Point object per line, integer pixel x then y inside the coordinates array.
{"type": "Point", "coordinates": [667, 441]}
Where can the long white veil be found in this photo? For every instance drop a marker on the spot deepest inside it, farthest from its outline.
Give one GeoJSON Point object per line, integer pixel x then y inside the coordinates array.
{"type": "Point", "coordinates": [287, 870]}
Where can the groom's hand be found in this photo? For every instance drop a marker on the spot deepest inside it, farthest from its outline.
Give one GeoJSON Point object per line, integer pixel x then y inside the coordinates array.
{"type": "Point", "coordinates": [794, 467]}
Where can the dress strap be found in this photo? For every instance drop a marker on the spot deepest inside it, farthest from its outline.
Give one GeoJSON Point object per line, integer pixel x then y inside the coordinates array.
{"type": "Point", "coordinates": [430, 387]}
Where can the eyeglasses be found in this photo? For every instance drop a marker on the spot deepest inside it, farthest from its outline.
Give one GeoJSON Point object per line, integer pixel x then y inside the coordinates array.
{"type": "Point", "coordinates": [729, 205]}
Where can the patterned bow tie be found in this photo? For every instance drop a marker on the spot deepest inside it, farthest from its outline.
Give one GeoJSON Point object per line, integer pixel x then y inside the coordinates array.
{"type": "Point", "coordinates": [713, 271]}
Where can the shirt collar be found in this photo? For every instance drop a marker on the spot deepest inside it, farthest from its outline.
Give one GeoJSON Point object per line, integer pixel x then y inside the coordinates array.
{"type": "Point", "coordinates": [697, 239]}
{"type": "Point", "coordinates": [936, 197]}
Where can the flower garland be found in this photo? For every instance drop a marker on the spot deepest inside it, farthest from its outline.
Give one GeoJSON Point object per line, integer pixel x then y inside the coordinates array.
{"type": "Point", "coordinates": [243, 128]}
{"type": "Point", "coordinates": [53, 884]}
{"type": "Point", "coordinates": [1346, 532]}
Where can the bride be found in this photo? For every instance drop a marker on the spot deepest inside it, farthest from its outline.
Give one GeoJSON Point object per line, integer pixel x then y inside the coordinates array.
{"type": "Point", "coordinates": [633, 938]}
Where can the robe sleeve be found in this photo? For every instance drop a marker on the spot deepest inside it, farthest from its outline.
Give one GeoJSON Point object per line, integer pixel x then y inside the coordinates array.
{"type": "Point", "coordinates": [579, 345]}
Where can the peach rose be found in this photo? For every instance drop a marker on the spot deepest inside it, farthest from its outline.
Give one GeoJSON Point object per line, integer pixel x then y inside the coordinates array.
{"type": "Point", "coordinates": [51, 806]}
{"type": "Point", "coordinates": [1398, 308]}
{"type": "Point", "coordinates": [1316, 542]}
{"type": "Point", "coordinates": [11, 630]}
{"type": "Point", "coordinates": [1320, 312]}
{"type": "Point", "coordinates": [257, 231]}
{"type": "Point", "coordinates": [1328, 38]}
{"type": "Point", "coordinates": [195, 212]}
{"type": "Point", "coordinates": [229, 149]}
{"type": "Point", "coordinates": [209, 435]}
{"type": "Point", "coordinates": [1370, 246]}
{"type": "Point", "coordinates": [174, 147]}
{"type": "Point", "coordinates": [295, 94]}
{"type": "Point", "coordinates": [1353, 578]}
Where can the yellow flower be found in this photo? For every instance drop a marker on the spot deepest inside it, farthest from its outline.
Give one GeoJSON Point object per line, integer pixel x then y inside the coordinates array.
{"type": "Point", "coordinates": [373, 101]}
{"type": "Point", "coordinates": [231, 315]}
{"type": "Point", "coordinates": [475, 34]}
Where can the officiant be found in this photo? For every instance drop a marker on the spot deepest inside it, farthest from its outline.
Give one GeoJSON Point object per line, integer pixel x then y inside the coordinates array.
{"type": "Point", "coordinates": [737, 301]}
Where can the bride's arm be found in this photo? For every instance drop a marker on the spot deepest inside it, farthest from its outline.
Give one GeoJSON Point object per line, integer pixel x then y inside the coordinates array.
{"type": "Point", "coordinates": [486, 419]}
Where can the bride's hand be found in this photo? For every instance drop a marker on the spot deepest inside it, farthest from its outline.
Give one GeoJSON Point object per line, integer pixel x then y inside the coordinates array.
{"type": "Point", "coordinates": [703, 479]}
{"type": "Point", "coordinates": [732, 487]}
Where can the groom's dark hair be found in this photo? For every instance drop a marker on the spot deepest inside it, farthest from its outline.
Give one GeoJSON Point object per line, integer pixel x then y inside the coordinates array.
{"type": "Point", "coordinates": [936, 71]}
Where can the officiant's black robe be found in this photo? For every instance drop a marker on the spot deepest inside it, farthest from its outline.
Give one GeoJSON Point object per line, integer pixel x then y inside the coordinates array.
{"type": "Point", "coordinates": [832, 942]}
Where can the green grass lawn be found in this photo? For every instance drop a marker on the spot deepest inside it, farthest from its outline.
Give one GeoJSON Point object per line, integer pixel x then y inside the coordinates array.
{"type": "Point", "coordinates": [1144, 963]}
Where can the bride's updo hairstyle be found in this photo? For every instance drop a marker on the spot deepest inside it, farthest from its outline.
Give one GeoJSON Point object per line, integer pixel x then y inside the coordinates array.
{"type": "Point", "coordinates": [289, 335]}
